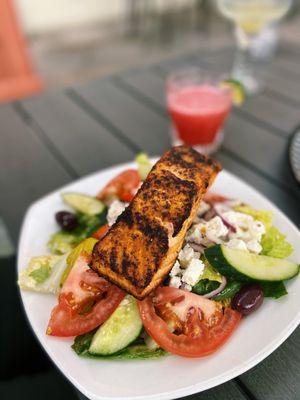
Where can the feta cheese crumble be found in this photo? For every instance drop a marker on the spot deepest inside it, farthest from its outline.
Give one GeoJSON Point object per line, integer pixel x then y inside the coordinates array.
{"type": "Point", "coordinates": [243, 233]}
{"type": "Point", "coordinates": [215, 229]}
{"type": "Point", "coordinates": [175, 282]}
{"type": "Point", "coordinates": [186, 255]}
{"type": "Point", "coordinates": [116, 208]}
{"type": "Point", "coordinates": [203, 208]}
{"type": "Point", "coordinates": [176, 270]}
{"type": "Point", "coordinates": [254, 246]}
{"type": "Point", "coordinates": [193, 272]}
{"type": "Point", "coordinates": [237, 244]}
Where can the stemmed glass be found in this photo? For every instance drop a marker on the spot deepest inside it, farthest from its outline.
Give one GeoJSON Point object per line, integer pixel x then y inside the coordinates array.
{"type": "Point", "coordinates": [250, 18]}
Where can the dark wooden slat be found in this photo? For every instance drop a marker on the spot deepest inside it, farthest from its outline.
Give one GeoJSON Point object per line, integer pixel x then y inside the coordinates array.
{"type": "Point", "coordinates": [262, 150]}
{"type": "Point", "coordinates": [272, 111]}
{"type": "Point", "coordinates": [227, 391]}
{"type": "Point", "coordinates": [287, 66]}
{"type": "Point", "coordinates": [283, 87]}
{"type": "Point", "coordinates": [28, 169]}
{"type": "Point", "coordinates": [134, 119]}
{"type": "Point", "coordinates": [75, 134]}
{"type": "Point", "coordinates": [277, 377]}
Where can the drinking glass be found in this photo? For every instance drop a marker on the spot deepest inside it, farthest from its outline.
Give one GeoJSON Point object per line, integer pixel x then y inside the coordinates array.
{"type": "Point", "coordinates": [250, 18]}
{"type": "Point", "coordinates": [198, 106]}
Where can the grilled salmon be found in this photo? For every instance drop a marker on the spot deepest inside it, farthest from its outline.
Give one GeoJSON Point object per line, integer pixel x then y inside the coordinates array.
{"type": "Point", "coordinates": [141, 247]}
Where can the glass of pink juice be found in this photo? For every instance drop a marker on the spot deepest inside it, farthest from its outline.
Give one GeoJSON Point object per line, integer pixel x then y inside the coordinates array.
{"type": "Point", "coordinates": [198, 107]}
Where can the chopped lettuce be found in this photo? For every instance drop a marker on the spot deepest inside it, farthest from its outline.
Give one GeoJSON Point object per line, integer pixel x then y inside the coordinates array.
{"type": "Point", "coordinates": [264, 216]}
{"type": "Point", "coordinates": [205, 286]}
{"type": "Point", "coordinates": [135, 351]}
{"type": "Point", "coordinates": [43, 273]}
{"type": "Point", "coordinates": [88, 224]}
{"type": "Point", "coordinates": [229, 291]}
{"type": "Point", "coordinates": [209, 280]}
{"type": "Point", "coordinates": [274, 244]}
{"type": "Point", "coordinates": [86, 245]}
{"type": "Point", "coordinates": [62, 242]}
{"type": "Point", "coordinates": [273, 289]}
{"type": "Point", "coordinates": [143, 164]}
{"type": "Point", "coordinates": [210, 273]}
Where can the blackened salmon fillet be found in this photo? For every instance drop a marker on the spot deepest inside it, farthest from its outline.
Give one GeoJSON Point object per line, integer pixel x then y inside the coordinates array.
{"type": "Point", "coordinates": [141, 247]}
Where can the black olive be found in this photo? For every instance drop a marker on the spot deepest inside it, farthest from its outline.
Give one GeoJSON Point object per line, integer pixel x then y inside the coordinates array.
{"type": "Point", "coordinates": [248, 299]}
{"type": "Point", "coordinates": [66, 220]}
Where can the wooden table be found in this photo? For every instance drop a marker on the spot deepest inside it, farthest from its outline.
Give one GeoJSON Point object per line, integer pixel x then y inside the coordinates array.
{"type": "Point", "coordinates": [49, 140]}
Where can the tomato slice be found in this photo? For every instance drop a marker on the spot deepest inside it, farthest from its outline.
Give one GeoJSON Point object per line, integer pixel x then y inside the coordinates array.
{"type": "Point", "coordinates": [213, 198]}
{"type": "Point", "coordinates": [100, 232]}
{"type": "Point", "coordinates": [85, 301]}
{"type": "Point", "coordinates": [123, 186]}
{"type": "Point", "coordinates": [185, 323]}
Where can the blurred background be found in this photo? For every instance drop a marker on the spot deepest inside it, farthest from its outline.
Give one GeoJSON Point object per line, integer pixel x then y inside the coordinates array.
{"type": "Point", "coordinates": [76, 40]}
{"type": "Point", "coordinates": [64, 42]}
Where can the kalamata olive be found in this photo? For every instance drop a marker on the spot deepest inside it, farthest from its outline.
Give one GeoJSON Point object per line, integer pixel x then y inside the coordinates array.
{"type": "Point", "coordinates": [66, 220]}
{"type": "Point", "coordinates": [248, 299]}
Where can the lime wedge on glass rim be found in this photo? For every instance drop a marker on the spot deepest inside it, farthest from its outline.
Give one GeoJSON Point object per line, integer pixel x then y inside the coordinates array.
{"type": "Point", "coordinates": [237, 90]}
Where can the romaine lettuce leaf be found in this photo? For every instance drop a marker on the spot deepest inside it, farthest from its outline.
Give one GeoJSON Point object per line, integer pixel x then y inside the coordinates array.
{"type": "Point", "coordinates": [205, 286]}
{"type": "Point", "coordinates": [264, 216]}
{"type": "Point", "coordinates": [143, 164]}
{"type": "Point", "coordinates": [274, 244]}
{"type": "Point", "coordinates": [210, 273]}
{"type": "Point", "coordinates": [63, 242]}
{"type": "Point", "coordinates": [273, 289]}
{"type": "Point", "coordinates": [43, 273]}
{"type": "Point", "coordinates": [135, 351]}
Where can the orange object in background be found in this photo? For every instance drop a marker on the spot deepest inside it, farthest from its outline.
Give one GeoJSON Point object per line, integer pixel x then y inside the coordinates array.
{"type": "Point", "coordinates": [17, 78]}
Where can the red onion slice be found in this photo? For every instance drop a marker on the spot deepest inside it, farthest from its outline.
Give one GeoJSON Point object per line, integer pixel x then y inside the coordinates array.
{"type": "Point", "coordinates": [197, 247]}
{"type": "Point", "coordinates": [228, 224]}
{"type": "Point", "coordinates": [218, 290]}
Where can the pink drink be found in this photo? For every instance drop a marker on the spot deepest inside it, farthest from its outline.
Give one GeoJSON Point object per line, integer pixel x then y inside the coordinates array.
{"type": "Point", "coordinates": [198, 111]}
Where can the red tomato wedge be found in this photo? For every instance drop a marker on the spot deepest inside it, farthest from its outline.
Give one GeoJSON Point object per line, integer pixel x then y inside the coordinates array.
{"type": "Point", "coordinates": [85, 301]}
{"type": "Point", "coordinates": [185, 323]}
{"type": "Point", "coordinates": [123, 186]}
{"type": "Point", "coordinates": [213, 198]}
{"type": "Point", "coordinates": [100, 232]}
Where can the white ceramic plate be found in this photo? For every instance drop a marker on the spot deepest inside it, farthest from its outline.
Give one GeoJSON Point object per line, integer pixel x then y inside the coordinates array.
{"type": "Point", "coordinates": [170, 377]}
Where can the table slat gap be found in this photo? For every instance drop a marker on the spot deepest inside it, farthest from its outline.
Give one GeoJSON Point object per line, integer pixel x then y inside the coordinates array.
{"type": "Point", "coordinates": [259, 122]}
{"type": "Point", "coordinates": [292, 191]}
{"type": "Point", "coordinates": [281, 97]}
{"type": "Point", "coordinates": [39, 132]}
{"type": "Point", "coordinates": [139, 96]}
{"type": "Point", "coordinates": [246, 392]}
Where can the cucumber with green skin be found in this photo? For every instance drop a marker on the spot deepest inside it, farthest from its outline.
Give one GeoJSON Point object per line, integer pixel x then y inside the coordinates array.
{"type": "Point", "coordinates": [244, 266]}
{"type": "Point", "coordinates": [121, 329]}
{"type": "Point", "coordinates": [83, 203]}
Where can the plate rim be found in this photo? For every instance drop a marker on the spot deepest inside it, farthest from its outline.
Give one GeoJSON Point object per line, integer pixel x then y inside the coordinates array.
{"type": "Point", "coordinates": [185, 391]}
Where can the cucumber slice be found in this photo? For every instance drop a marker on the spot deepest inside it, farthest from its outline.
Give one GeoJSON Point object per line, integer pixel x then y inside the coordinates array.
{"type": "Point", "coordinates": [83, 203]}
{"type": "Point", "coordinates": [121, 329]}
{"type": "Point", "coordinates": [244, 266]}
